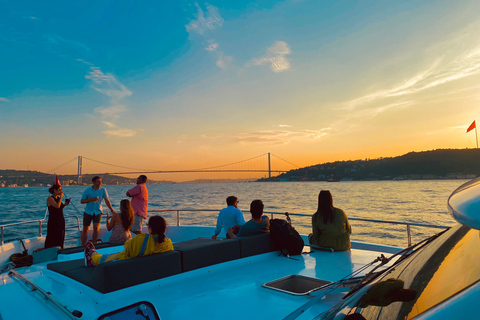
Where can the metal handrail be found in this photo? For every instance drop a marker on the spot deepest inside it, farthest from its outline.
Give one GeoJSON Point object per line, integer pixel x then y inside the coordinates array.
{"type": "Point", "coordinates": [39, 221]}
{"type": "Point", "coordinates": [407, 224]}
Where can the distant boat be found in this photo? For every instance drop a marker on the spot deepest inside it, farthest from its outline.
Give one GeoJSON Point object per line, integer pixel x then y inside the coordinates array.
{"type": "Point", "coordinates": [25, 185]}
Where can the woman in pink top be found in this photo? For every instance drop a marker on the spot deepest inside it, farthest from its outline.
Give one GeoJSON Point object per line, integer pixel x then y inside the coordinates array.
{"type": "Point", "coordinates": [121, 223]}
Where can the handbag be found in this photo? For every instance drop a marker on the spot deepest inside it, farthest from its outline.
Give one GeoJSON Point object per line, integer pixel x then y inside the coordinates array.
{"type": "Point", "coordinates": [22, 259]}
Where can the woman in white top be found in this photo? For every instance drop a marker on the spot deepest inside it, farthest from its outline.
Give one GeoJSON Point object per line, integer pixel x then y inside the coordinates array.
{"type": "Point", "coordinates": [121, 223]}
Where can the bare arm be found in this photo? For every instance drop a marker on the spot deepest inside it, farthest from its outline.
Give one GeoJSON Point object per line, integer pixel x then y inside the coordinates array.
{"type": "Point", "coordinates": [111, 222]}
{"type": "Point", "coordinates": [268, 222]}
{"type": "Point", "coordinates": [231, 234]}
{"type": "Point", "coordinates": [53, 203]}
{"type": "Point", "coordinates": [109, 205]}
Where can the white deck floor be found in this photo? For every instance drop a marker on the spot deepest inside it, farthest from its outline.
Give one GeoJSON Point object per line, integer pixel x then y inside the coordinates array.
{"type": "Point", "coordinates": [231, 290]}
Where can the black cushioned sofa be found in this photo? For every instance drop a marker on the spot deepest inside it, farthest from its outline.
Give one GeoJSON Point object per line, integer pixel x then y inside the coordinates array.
{"type": "Point", "coordinates": [187, 255]}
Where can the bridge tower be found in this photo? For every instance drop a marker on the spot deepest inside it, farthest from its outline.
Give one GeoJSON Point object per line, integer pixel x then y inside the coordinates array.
{"type": "Point", "coordinates": [79, 170]}
{"type": "Point", "coordinates": [269, 167]}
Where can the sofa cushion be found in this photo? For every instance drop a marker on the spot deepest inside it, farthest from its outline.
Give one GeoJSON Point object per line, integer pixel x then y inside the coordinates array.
{"type": "Point", "coordinates": [257, 244]}
{"type": "Point", "coordinates": [115, 275]}
{"type": "Point", "coordinates": [203, 252]}
{"type": "Point", "coordinates": [63, 267]}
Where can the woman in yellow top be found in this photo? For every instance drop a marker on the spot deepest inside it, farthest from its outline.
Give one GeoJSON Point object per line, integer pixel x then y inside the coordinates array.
{"type": "Point", "coordinates": [141, 245]}
{"type": "Point", "coordinates": [330, 225]}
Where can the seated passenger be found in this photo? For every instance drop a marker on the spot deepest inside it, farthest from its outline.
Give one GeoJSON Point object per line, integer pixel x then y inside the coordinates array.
{"type": "Point", "coordinates": [141, 245]}
{"type": "Point", "coordinates": [121, 223]}
{"type": "Point", "coordinates": [257, 225]}
{"type": "Point", "coordinates": [330, 225]}
{"type": "Point", "coordinates": [229, 217]}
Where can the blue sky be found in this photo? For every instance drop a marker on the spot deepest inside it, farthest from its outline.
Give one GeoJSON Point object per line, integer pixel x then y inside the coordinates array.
{"type": "Point", "coordinates": [182, 84]}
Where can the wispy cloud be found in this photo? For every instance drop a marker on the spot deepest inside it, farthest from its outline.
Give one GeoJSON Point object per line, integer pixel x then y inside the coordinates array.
{"type": "Point", "coordinates": [203, 25]}
{"type": "Point", "coordinates": [280, 137]}
{"type": "Point", "coordinates": [114, 130]}
{"type": "Point", "coordinates": [4, 99]}
{"type": "Point", "coordinates": [438, 73]}
{"type": "Point", "coordinates": [284, 126]}
{"type": "Point", "coordinates": [108, 85]}
{"type": "Point", "coordinates": [276, 57]}
{"type": "Point", "coordinates": [222, 60]}
{"type": "Point", "coordinates": [112, 112]}
{"type": "Point", "coordinates": [209, 21]}
{"type": "Point", "coordinates": [212, 47]}
{"type": "Point", "coordinates": [63, 44]}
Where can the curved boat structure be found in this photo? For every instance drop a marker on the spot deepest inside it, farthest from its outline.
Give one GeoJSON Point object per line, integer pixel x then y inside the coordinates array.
{"type": "Point", "coordinates": [241, 278]}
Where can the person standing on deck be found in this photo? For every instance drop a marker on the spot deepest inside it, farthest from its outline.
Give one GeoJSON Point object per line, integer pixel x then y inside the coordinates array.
{"type": "Point", "coordinates": [229, 217]}
{"type": "Point", "coordinates": [139, 195]}
{"type": "Point", "coordinates": [93, 197]}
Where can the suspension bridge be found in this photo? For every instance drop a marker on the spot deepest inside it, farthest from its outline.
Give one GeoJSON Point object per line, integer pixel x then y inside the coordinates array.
{"type": "Point", "coordinates": [262, 163]}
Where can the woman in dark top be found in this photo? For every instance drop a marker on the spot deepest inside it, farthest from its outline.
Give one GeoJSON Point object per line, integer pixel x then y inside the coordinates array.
{"type": "Point", "coordinates": [56, 221]}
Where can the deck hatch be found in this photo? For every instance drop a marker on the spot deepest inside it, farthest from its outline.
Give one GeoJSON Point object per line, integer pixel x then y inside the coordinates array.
{"type": "Point", "coordinates": [296, 284]}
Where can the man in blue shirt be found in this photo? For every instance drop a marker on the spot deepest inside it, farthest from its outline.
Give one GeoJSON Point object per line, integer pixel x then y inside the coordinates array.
{"type": "Point", "coordinates": [93, 197]}
{"type": "Point", "coordinates": [229, 217]}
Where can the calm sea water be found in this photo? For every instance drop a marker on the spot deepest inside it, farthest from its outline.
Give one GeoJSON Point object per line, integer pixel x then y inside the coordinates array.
{"type": "Point", "coordinates": [405, 201]}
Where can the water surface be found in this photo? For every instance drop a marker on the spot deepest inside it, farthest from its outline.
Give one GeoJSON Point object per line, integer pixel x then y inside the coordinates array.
{"type": "Point", "coordinates": [421, 201]}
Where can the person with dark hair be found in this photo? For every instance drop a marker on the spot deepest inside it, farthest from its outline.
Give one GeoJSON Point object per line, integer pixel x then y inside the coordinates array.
{"type": "Point", "coordinates": [330, 225]}
{"type": "Point", "coordinates": [56, 221]}
{"type": "Point", "coordinates": [93, 197]}
{"type": "Point", "coordinates": [229, 217]}
{"type": "Point", "coordinates": [121, 223]}
{"type": "Point", "coordinates": [143, 244]}
{"type": "Point", "coordinates": [257, 225]}
{"type": "Point", "coordinates": [139, 195]}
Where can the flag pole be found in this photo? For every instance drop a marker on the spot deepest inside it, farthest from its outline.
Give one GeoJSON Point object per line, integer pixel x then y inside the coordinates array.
{"type": "Point", "coordinates": [476, 136]}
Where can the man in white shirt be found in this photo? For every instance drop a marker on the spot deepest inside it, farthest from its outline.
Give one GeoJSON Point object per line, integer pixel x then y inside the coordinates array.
{"type": "Point", "coordinates": [93, 197]}
{"type": "Point", "coordinates": [229, 217]}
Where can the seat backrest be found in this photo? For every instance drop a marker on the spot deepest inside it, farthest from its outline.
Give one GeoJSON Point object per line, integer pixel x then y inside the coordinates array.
{"type": "Point", "coordinates": [203, 252]}
{"type": "Point", "coordinates": [257, 244]}
{"type": "Point", "coordinates": [115, 275]}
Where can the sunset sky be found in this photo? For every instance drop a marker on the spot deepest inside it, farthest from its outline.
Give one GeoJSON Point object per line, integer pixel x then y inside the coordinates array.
{"type": "Point", "coordinates": [178, 85]}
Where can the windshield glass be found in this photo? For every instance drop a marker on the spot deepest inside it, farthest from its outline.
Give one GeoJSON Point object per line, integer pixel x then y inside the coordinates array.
{"type": "Point", "coordinates": [432, 271]}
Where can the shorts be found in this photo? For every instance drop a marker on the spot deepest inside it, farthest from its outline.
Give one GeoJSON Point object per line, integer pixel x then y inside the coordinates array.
{"type": "Point", "coordinates": [137, 224]}
{"type": "Point", "coordinates": [87, 219]}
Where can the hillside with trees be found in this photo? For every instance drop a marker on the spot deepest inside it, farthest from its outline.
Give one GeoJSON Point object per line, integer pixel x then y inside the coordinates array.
{"type": "Point", "coordinates": [434, 164]}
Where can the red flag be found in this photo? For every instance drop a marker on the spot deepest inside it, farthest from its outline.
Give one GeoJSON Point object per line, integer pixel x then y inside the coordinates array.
{"type": "Point", "coordinates": [472, 126]}
{"type": "Point", "coordinates": [56, 181]}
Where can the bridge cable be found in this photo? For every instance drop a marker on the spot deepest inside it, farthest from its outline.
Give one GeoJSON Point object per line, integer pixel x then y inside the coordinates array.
{"type": "Point", "coordinates": [285, 160]}
{"type": "Point", "coordinates": [114, 165]}
{"type": "Point", "coordinates": [63, 164]}
{"type": "Point", "coordinates": [229, 164]}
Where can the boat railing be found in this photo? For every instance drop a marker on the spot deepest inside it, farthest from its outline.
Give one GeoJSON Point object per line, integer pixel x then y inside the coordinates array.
{"type": "Point", "coordinates": [408, 225]}
{"type": "Point", "coordinates": [39, 222]}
